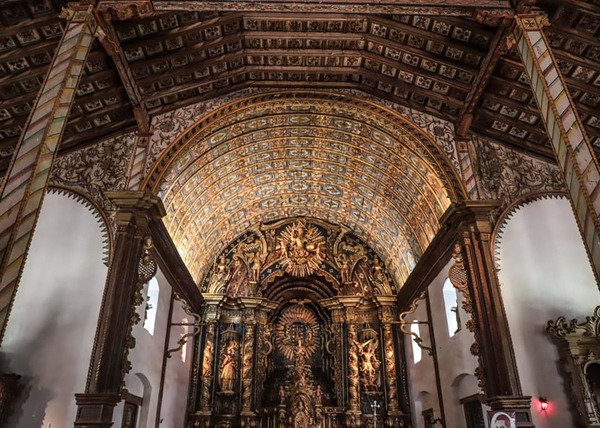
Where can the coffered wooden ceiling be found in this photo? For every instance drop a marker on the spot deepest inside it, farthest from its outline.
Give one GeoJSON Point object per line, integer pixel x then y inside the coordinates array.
{"type": "Point", "coordinates": [446, 58]}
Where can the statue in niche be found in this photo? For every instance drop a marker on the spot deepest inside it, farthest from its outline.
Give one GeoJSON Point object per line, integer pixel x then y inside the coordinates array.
{"type": "Point", "coordinates": [228, 368]}
{"type": "Point", "coordinates": [369, 363]}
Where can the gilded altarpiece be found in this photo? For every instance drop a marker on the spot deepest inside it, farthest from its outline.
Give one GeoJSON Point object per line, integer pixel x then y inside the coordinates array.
{"type": "Point", "coordinates": [300, 330]}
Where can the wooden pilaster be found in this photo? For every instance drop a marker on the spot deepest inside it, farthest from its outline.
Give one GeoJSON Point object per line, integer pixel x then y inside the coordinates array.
{"type": "Point", "coordinates": [498, 374]}
{"type": "Point", "coordinates": [109, 363]}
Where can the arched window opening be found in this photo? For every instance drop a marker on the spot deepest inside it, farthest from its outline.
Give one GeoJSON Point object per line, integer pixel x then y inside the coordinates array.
{"type": "Point", "coordinates": [451, 307]}
{"type": "Point", "coordinates": [151, 305]}
{"type": "Point", "coordinates": [416, 349]}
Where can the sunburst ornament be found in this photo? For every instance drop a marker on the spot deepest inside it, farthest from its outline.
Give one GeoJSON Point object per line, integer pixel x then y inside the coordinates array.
{"type": "Point", "coordinates": [297, 326]}
{"type": "Point", "coordinates": [301, 248]}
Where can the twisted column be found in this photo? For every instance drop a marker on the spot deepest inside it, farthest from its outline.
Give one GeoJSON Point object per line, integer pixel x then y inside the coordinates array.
{"type": "Point", "coordinates": [353, 372]}
{"type": "Point", "coordinates": [247, 361]}
{"type": "Point", "coordinates": [390, 367]}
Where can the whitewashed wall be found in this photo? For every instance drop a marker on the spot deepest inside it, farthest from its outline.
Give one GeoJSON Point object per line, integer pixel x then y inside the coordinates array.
{"type": "Point", "coordinates": [144, 379]}
{"type": "Point", "coordinates": [456, 364]}
{"type": "Point", "coordinates": [544, 273]}
{"type": "Point", "coordinates": [52, 325]}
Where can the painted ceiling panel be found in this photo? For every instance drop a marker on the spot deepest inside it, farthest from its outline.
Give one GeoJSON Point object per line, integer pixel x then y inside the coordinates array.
{"type": "Point", "coordinates": [328, 157]}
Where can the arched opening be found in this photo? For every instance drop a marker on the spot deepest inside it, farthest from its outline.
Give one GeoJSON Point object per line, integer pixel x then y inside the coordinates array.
{"type": "Point", "coordinates": [300, 216]}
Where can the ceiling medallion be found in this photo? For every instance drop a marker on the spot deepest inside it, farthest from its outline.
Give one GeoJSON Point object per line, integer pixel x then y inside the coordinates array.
{"type": "Point", "coordinates": [301, 248]}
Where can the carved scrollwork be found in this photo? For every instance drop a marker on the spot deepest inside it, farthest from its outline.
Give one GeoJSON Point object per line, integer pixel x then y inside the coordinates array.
{"type": "Point", "coordinates": [404, 325]}
{"type": "Point", "coordinates": [561, 328]}
{"type": "Point", "coordinates": [579, 349]}
{"type": "Point", "coordinates": [459, 278]}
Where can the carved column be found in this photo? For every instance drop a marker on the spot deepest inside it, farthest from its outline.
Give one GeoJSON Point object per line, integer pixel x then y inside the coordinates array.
{"type": "Point", "coordinates": [207, 367]}
{"type": "Point", "coordinates": [353, 370]}
{"type": "Point", "coordinates": [247, 362]}
{"type": "Point", "coordinates": [497, 373]}
{"type": "Point", "coordinates": [571, 145]}
{"type": "Point", "coordinates": [264, 347]}
{"type": "Point", "coordinates": [338, 319]}
{"type": "Point", "coordinates": [109, 362]}
{"type": "Point", "coordinates": [386, 317]}
{"type": "Point", "coordinates": [25, 184]}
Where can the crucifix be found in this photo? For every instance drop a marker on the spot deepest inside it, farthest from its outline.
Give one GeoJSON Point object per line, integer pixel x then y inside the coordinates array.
{"type": "Point", "coordinates": [375, 405]}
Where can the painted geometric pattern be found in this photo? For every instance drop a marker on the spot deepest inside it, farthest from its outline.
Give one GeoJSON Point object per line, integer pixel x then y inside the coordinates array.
{"type": "Point", "coordinates": [571, 145]}
{"type": "Point", "coordinates": [304, 157]}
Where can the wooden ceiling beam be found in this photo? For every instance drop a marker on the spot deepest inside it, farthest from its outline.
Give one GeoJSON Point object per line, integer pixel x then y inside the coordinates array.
{"type": "Point", "coordinates": [175, 31]}
{"type": "Point", "coordinates": [498, 47]}
{"type": "Point", "coordinates": [334, 70]}
{"type": "Point", "coordinates": [528, 108]}
{"type": "Point", "coordinates": [100, 112]}
{"type": "Point", "coordinates": [30, 25]}
{"type": "Point", "coordinates": [532, 129]}
{"type": "Point", "coordinates": [457, 8]}
{"type": "Point", "coordinates": [246, 69]}
{"type": "Point", "coordinates": [323, 53]}
{"type": "Point", "coordinates": [541, 152]}
{"type": "Point", "coordinates": [430, 35]}
{"type": "Point", "coordinates": [44, 46]}
{"type": "Point", "coordinates": [110, 42]}
{"type": "Point", "coordinates": [449, 62]}
{"type": "Point", "coordinates": [295, 85]}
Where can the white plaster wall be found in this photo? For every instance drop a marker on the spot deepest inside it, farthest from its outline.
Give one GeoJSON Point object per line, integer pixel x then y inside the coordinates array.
{"type": "Point", "coordinates": [52, 325]}
{"type": "Point", "coordinates": [456, 364]}
{"type": "Point", "coordinates": [544, 273]}
{"type": "Point", "coordinates": [144, 379]}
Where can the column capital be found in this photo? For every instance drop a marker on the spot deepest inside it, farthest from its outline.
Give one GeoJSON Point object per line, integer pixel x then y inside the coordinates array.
{"type": "Point", "coordinates": [135, 205]}
{"type": "Point", "coordinates": [531, 21]}
{"type": "Point", "coordinates": [467, 213]}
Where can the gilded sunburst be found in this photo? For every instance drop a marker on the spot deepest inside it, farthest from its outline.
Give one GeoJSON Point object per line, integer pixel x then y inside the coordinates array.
{"type": "Point", "coordinates": [301, 248]}
{"type": "Point", "coordinates": [297, 325]}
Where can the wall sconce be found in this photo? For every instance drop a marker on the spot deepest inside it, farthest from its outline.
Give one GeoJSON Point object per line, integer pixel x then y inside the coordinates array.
{"type": "Point", "coordinates": [543, 403]}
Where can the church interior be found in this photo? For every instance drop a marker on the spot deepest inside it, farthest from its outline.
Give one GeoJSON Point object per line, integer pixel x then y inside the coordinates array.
{"type": "Point", "coordinates": [304, 213]}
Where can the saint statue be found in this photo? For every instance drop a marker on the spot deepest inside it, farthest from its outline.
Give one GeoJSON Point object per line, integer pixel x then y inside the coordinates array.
{"type": "Point", "coordinates": [228, 366]}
